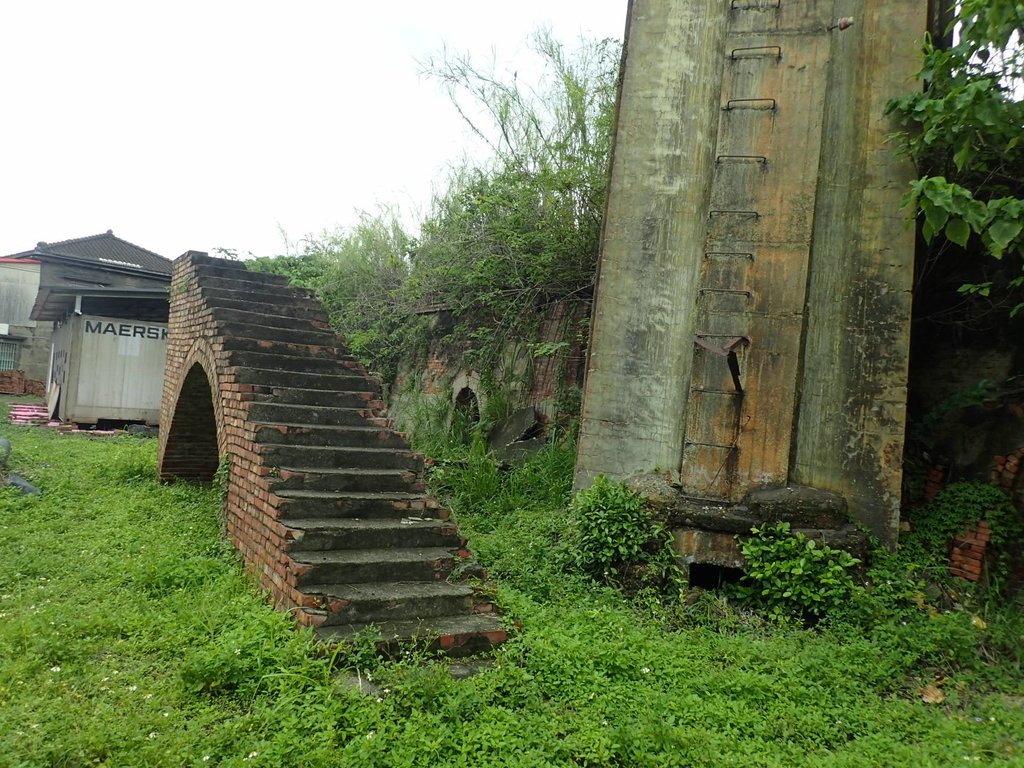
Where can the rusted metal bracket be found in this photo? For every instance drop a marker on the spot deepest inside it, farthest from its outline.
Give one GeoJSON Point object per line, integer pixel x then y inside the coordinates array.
{"type": "Point", "coordinates": [735, 6]}
{"type": "Point", "coordinates": [728, 351]}
{"type": "Point", "coordinates": [730, 447]}
{"type": "Point", "coordinates": [765, 104]}
{"type": "Point", "coordinates": [742, 158]}
{"type": "Point", "coordinates": [727, 292]}
{"type": "Point", "coordinates": [775, 51]}
{"type": "Point", "coordinates": [729, 255]}
{"type": "Point", "coordinates": [729, 212]}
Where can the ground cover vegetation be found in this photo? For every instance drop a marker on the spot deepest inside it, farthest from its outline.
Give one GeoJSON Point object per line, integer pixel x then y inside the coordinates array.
{"type": "Point", "coordinates": [130, 636]}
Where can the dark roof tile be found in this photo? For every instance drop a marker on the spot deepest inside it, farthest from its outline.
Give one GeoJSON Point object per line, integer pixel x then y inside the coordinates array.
{"type": "Point", "coordinates": [108, 249]}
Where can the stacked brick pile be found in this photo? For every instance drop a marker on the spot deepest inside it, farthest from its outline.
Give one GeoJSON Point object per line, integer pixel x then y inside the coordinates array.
{"type": "Point", "coordinates": [1006, 469]}
{"type": "Point", "coordinates": [967, 555]}
{"type": "Point", "coordinates": [15, 383]}
{"type": "Point", "coordinates": [29, 414]}
{"type": "Point", "coordinates": [935, 482]}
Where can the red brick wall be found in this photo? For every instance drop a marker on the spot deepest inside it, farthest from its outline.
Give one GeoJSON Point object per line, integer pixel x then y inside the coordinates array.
{"type": "Point", "coordinates": [967, 555]}
{"type": "Point", "coordinates": [15, 383]}
{"type": "Point", "coordinates": [204, 413]}
{"type": "Point", "coordinates": [445, 362]}
{"type": "Point", "coordinates": [969, 549]}
{"type": "Point", "coordinates": [1006, 470]}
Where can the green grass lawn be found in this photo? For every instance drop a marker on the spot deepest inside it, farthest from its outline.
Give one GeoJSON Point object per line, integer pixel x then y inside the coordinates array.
{"type": "Point", "coordinates": [129, 636]}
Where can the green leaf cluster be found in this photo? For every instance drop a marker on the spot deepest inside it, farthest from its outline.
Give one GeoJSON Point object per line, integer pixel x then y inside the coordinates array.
{"type": "Point", "coordinates": [964, 132]}
{"type": "Point", "coordinates": [616, 540]}
{"type": "Point", "coordinates": [789, 575]}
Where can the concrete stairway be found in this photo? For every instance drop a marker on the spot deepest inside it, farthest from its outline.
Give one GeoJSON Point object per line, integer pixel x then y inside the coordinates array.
{"type": "Point", "coordinates": [365, 543]}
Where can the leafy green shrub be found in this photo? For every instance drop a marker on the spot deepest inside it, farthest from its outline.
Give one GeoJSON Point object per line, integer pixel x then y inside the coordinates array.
{"type": "Point", "coordinates": [791, 575]}
{"type": "Point", "coordinates": [617, 541]}
{"type": "Point", "coordinates": [963, 134]}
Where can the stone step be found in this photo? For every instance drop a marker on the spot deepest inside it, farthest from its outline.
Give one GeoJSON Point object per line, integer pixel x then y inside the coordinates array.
{"type": "Point", "coordinates": [289, 349]}
{"type": "Point", "coordinates": [342, 566]}
{"type": "Point", "coordinates": [321, 534]}
{"type": "Point", "coordinates": [336, 437]}
{"type": "Point", "coordinates": [259, 332]}
{"type": "Point", "coordinates": [299, 505]}
{"type": "Point", "coordinates": [253, 285]}
{"type": "Point", "coordinates": [212, 267]}
{"type": "Point", "coordinates": [272, 320]}
{"type": "Point", "coordinates": [316, 456]}
{"type": "Point", "coordinates": [321, 415]}
{"type": "Point", "coordinates": [222, 279]}
{"type": "Point", "coordinates": [273, 299]}
{"type": "Point", "coordinates": [321, 397]}
{"type": "Point", "coordinates": [295, 296]}
{"type": "Point", "coordinates": [269, 361]}
{"type": "Point", "coordinates": [389, 601]}
{"type": "Point", "coordinates": [345, 480]}
{"type": "Point", "coordinates": [347, 382]}
{"type": "Point", "coordinates": [299, 308]}
{"type": "Point", "coordinates": [455, 636]}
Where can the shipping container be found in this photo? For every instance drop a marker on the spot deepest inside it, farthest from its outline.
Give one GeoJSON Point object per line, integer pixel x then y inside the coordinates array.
{"type": "Point", "coordinates": [106, 368]}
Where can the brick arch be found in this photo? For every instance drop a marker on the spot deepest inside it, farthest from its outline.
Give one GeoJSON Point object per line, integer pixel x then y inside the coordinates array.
{"type": "Point", "coordinates": [206, 405]}
{"type": "Point", "coordinates": [322, 497]}
{"type": "Point", "coordinates": [191, 449]}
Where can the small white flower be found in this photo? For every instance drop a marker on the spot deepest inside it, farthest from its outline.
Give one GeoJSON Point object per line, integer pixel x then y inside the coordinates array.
{"type": "Point", "coordinates": [55, 668]}
{"type": "Point", "coordinates": [371, 734]}
{"type": "Point", "coordinates": [206, 758]}
{"type": "Point", "coordinates": [167, 714]}
{"type": "Point", "coordinates": [133, 687]}
{"type": "Point", "coordinates": [149, 696]}
{"type": "Point", "coordinates": [645, 670]}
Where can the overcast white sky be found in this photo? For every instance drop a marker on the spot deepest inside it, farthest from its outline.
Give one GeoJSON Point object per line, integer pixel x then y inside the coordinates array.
{"type": "Point", "coordinates": [193, 125]}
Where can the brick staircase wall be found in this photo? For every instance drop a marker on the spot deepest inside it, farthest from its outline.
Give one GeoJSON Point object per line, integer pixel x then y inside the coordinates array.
{"type": "Point", "coordinates": [324, 500]}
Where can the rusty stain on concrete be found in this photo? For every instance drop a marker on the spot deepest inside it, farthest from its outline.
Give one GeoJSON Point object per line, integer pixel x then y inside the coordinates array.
{"type": "Point", "coordinates": [752, 195]}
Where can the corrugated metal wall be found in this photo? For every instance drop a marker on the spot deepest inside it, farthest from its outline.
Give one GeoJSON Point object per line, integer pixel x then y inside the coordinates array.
{"type": "Point", "coordinates": [19, 282]}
